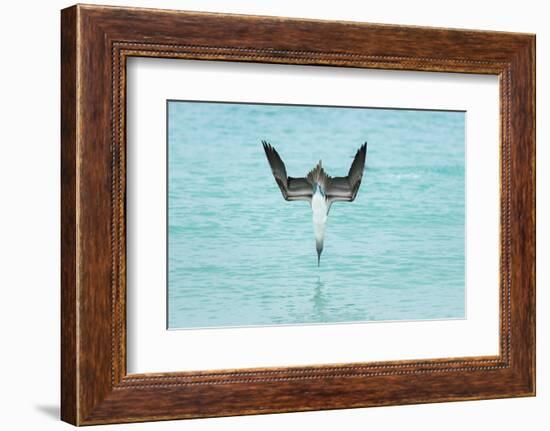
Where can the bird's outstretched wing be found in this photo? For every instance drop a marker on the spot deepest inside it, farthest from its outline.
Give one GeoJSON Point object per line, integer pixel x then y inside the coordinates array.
{"type": "Point", "coordinates": [293, 189]}
{"type": "Point", "coordinates": [345, 188]}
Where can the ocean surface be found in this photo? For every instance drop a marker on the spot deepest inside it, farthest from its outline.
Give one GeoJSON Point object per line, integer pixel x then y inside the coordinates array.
{"type": "Point", "coordinates": [240, 255]}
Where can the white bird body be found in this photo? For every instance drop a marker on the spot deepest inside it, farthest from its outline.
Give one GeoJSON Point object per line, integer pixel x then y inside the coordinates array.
{"type": "Point", "coordinates": [319, 209]}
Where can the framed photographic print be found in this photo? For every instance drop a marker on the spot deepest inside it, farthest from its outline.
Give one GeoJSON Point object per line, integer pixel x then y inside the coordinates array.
{"type": "Point", "coordinates": [265, 214]}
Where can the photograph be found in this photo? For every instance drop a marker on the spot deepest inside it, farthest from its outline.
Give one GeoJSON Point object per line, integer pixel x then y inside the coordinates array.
{"type": "Point", "coordinates": [300, 215]}
{"type": "Point", "coordinates": [278, 209]}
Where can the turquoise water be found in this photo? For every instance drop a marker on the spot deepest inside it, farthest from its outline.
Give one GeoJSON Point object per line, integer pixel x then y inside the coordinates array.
{"type": "Point", "coordinates": [239, 254]}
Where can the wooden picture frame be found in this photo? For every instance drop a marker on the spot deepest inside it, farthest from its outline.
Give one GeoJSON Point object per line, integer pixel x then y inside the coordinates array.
{"type": "Point", "coordinates": [95, 43]}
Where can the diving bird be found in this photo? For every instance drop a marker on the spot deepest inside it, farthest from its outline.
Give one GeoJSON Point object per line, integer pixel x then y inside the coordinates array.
{"type": "Point", "coordinates": [318, 188]}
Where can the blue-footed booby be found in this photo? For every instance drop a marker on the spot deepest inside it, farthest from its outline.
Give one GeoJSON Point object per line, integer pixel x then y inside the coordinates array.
{"type": "Point", "coordinates": [318, 188]}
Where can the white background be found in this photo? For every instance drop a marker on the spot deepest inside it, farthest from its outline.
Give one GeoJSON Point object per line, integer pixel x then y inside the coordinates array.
{"type": "Point", "coordinates": [29, 227]}
{"type": "Point", "coordinates": [152, 349]}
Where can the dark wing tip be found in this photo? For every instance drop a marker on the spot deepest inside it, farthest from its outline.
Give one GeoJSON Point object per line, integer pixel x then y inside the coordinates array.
{"type": "Point", "coordinates": [277, 166]}
{"type": "Point", "coordinates": [359, 160]}
{"type": "Point", "coordinates": [356, 169]}
{"type": "Point", "coordinates": [362, 148]}
{"type": "Point", "coordinates": [269, 150]}
{"type": "Point", "coordinates": [361, 153]}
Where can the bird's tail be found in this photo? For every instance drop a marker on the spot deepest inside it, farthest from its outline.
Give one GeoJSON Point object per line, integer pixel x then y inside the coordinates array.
{"type": "Point", "coordinates": [318, 175]}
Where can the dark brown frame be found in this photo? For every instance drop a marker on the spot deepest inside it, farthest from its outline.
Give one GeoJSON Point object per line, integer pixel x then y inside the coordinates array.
{"type": "Point", "coordinates": [95, 43]}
